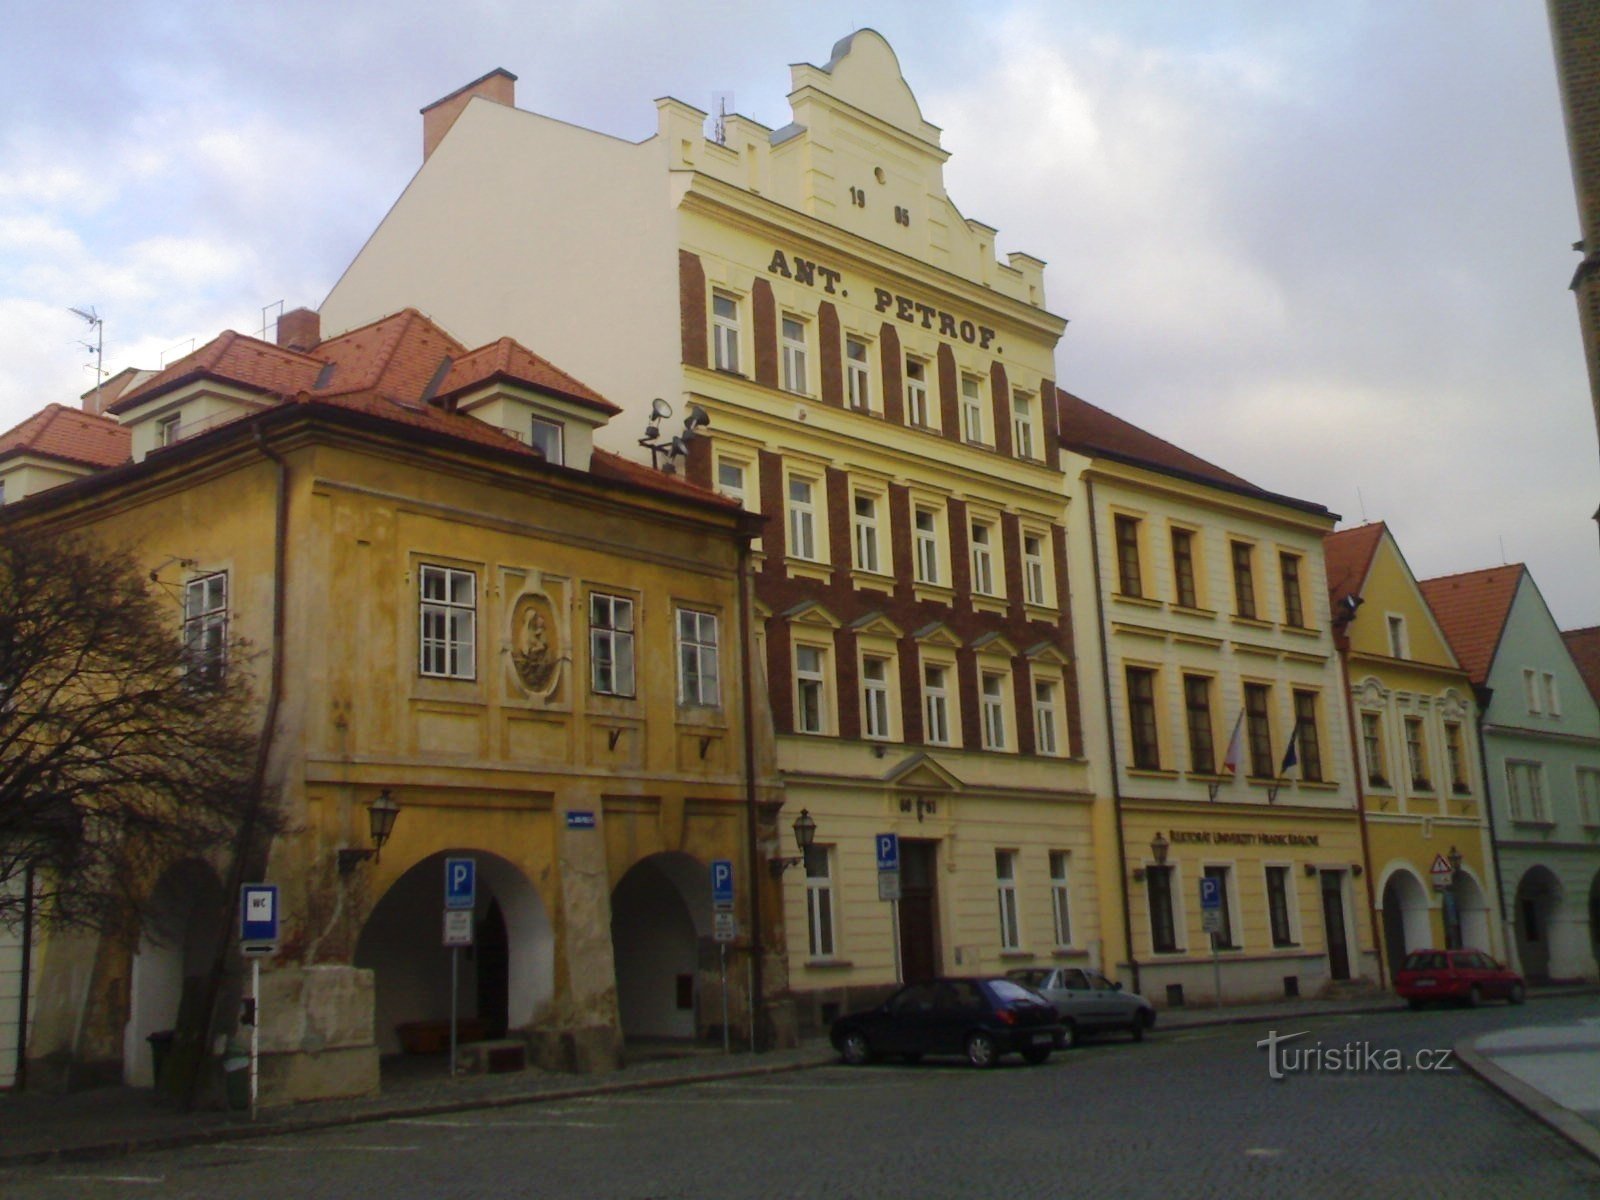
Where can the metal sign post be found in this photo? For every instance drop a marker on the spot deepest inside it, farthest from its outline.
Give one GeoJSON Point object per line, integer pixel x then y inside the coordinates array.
{"type": "Point", "coordinates": [725, 928]}
{"type": "Point", "coordinates": [887, 848]}
{"type": "Point", "coordinates": [258, 937]}
{"type": "Point", "coordinates": [1211, 922]}
{"type": "Point", "coordinates": [460, 899]}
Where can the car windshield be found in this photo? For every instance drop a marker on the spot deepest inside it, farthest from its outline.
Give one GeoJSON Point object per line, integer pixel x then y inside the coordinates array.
{"type": "Point", "coordinates": [1424, 960]}
{"type": "Point", "coordinates": [1032, 976]}
{"type": "Point", "coordinates": [1008, 992]}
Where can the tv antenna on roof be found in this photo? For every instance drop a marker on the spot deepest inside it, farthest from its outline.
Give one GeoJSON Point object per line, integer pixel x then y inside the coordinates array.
{"type": "Point", "coordinates": [723, 101]}
{"type": "Point", "coordinates": [97, 323]}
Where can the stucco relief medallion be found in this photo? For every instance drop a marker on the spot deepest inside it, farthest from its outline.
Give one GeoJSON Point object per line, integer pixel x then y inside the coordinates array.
{"type": "Point", "coordinates": [535, 645]}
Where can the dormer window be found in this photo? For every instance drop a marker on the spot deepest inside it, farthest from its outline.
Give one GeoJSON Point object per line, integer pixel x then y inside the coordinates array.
{"type": "Point", "coordinates": [545, 436]}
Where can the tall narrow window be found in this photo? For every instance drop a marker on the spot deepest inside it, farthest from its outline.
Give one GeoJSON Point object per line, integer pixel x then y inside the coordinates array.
{"type": "Point", "coordinates": [1309, 747]}
{"type": "Point", "coordinates": [927, 522]}
{"type": "Point", "coordinates": [1005, 883]}
{"type": "Point", "coordinates": [1033, 569]}
{"type": "Point", "coordinates": [994, 711]}
{"type": "Point", "coordinates": [1372, 744]}
{"type": "Point", "coordinates": [1417, 754]}
{"type": "Point", "coordinates": [1293, 609]}
{"type": "Point", "coordinates": [972, 424]}
{"type": "Point", "coordinates": [1589, 804]}
{"type": "Point", "coordinates": [982, 559]}
{"type": "Point", "coordinates": [819, 900]}
{"type": "Point", "coordinates": [1197, 703]}
{"type": "Point", "coordinates": [1022, 424]}
{"type": "Point", "coordinates": [866, 529]}
{"type": "Point", "coordinates": [1530, 689]}
{"type": "Point", "coordinates": [1142, 718]}
{"type": "Point", "coordinates": [1258, 727]}
{"type": "Point", "coordinates": [1244, 580]}
{"type": "Point", "coordinates": [1223, 937]}
{"type": "Point", "coordinates": [1044, 717]}
{"type": "Point", "coordinates": [1060, 896]}
{"type": "Point", "coordinates": [724, 332]}
{"type": "Point", "coordinates": [449, 610]}
{"type": "Point", "coordinates": [1397, 638]}
{"type": "Point", "coordinates": [1455, 750]}
{"type": "Point", "coordinates": [810, 683]}
{"type": "Point", "coordinates": [916, 392]}
{"type": "Point", "coordinates": [611, 644]}
{"type": "Point", "coordinates": [546, 437]}
{"type": "Point", "coordinates": [1158, 887]}
{"type": "Point", "coordinates": [1525, 785]}
{"type": "Point", "coordinates": [699, 680]}
{"type": "Point", "coordinates": [857, 379]}
{"type": "Point", "coordinates": [205, 627]}
{"type": "Point", "coordinates": [794, 354]}
{"type": "Point", "coordinates": [936, 704]}
{"type": "Point", "coordinates": [1552, 700]}
{"type": "Point", "coordinates": [802, 519]}
{"type": "Point", "coordinates": [1129, 580]}
{"type": "Point", "coordinates": [731, 480]}
{"type": "Point", "coordinates": [1184, 594]}
{"type": "Point", "coordinates": [875, 696]}
{"type": "Point", "coordinates": [169, 429]}
{"type": "Point", "coordinates": [1278, 906]}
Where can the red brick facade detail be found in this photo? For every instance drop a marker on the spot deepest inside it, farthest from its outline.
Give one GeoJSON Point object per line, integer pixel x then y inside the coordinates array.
{"type": "Point", "coordinates": [1050, 415]}
{"type": "Point", "coordinates": [949, 394]}
{"type": "Point", "coordinates": [780, 675]}
{"type": "Point", "coordinates": [1011, 557]}
{"type": "Point", "coordinates": [960, 548]}
{"type": "Point", "coordinates": [1022, 702]}
{"type": "Point", "coordinates": [971, 721]}
{"type": "Point", "coordinates": [894, 396]}
{"type": "Point", "coordinates": [697, 467]}
{"type": "Point", "coordinates": [848, 679]}
{"type": "Point", "coordinates": [692, 308]}
{"type": "Point", "coordinates": [775, 541]}
{"type": "Point", "coordinates": [910, 691]}
{"type": "Point", "coordinates": [831, 350]}
{"type": "Point", "coordinates": [838, 483]}
{"type": "Point", "coordinates": [764, 329]}
{"type": "Point", "coordinates": [1000, 393]}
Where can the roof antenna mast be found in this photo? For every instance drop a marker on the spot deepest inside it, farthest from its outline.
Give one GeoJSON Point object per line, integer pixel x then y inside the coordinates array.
{"type": "Point", "coordinates": [97, 323]}
{"type": "Point", "coordinates": [719, 129]}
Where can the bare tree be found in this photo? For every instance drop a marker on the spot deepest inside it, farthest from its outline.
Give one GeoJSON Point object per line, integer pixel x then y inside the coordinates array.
{"type": "Point", "coordinates": [126, 742]}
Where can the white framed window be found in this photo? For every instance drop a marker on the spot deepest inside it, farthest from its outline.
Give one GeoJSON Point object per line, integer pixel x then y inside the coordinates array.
{"type": "Point", "coordinates": [994, 710]}
{"type": "Point", "coordinates": [1399, 644]}
{"type": "Point", "coordinates": [448, 614]}
{"type": "Point", "coordinates": [1005, 886]}
{"type": "Point", "coordinates": [1034, 569]}
{"type": "Point", "coordinates": [864, 523]}
{"type": "Point", "coordinates": [732, 480]}
{"type": "Point", "coordinates": [810, 689]}
{"type": "Point", "coordinates": [802, 518]}
{"type": "Point", "coordinates": [1525, 787]}
{"type": "Point", "coordinates": [972, 423]}
{"type": "Point", "coordinates": [793, 354]}
{"type": "Point", "coordinates": [168, 429]}
{"type": "Point", "coordinates": [1372, 746]}
{"type": "Point", "coordinates": [611, 645]}
{"type": "Point", "coordinates": [857, 376]}
{"type": "Point", "coordinates": [983, 558]}
{"type": "Point", "coordinates": [546, 437]}
{"type": "Point", "coordinates": [1060, 896]}
{"type": "Point", "coordinates": [1589, 795]}
{"type": "Point", "coordinates": [936, 704]}
{"type": "Point", "coordinates": [205, 626]}
{"type": "Point", "coordinates": [699, 676]}
{"type": "Point", "coordinates": [875, 696]}
{"type": "Point", "coordinates": [917, 392]}
{"type": "Point", "coordinates": [725, 331]}
{"type": "Point", "coordinates": [1530, 690]}
{"type": "Point", "coordinates": [1045, 738]}
{"type": "Point", "coordinates": [1280, 906]}
{"type": "Point", "coordinates": [1417, 755]}
{"type": "Point", "coordinates": [927, 537]}
{"type": "Point", "coordinates": [1552, 700]}
{"type": "Point", "coordinates": [1022, 424]}
{"type": "Point", "coordinates": [819, 900]}
{"type": "Point", "coordinates": [1224, 938]}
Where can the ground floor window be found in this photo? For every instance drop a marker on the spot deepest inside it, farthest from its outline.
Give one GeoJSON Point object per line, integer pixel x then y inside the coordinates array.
{"type": "Point", "coordinates": [1278, 906]}
{"type": "Point", "coordinates": [1158, 885]}
{"type": "Point", "coordinates": [819, 900]}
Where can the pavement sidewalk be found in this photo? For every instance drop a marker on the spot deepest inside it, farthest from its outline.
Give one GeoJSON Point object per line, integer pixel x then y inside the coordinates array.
{"type": "Point", "coordinates": [1551, 1071]}
{"type": "Point", "coordinates": [110, 1122]}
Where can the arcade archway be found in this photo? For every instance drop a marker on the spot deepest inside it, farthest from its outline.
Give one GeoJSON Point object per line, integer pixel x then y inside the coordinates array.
{"type": "Point", "coordinates": [660, 911]}
{"type": "Point", "coordinates": [1538, 897]}
{"type": "Point", "coordinates": [1406, 926]}
{"type": "Point", "coordinates": [175, 946]}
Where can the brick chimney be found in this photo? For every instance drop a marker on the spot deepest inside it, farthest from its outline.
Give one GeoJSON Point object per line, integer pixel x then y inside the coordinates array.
{"type": "Point", "coordinates": [300, 329]}
{"type": "Point", "coordinates": [498, 85]}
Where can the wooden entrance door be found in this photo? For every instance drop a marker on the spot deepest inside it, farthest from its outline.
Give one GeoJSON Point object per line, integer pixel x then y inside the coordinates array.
{"type": "Point", "coordinates": [919, 911]}
{"type": "Point", "coordinates": [1333, 919]}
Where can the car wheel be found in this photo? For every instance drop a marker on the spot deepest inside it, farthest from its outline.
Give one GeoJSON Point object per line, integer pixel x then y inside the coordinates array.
{"type": "Point", "coordinates": [1069, 1036]}
{"type": "Point", "coordinates": [1415, 1005]}
{"type": "Point", "coordinates": [1474, 996]}
{"type": "Point", "coordinates": [1034, 1055]}
{"type": "Point", "coordinates": [981, 1050]}
{"type": "Point", "coordinates": [854, 1048]}
{"type": "Point", "coordinates": [1518, 993]}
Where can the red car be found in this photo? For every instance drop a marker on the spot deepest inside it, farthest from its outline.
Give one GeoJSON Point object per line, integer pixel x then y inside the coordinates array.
{"type": "Point", "coordinates": [1469, 976]}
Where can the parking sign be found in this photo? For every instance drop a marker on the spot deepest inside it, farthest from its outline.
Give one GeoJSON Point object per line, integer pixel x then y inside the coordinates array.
{"type": "Point", "coordinates": [1210, 892]}
{"type": "Point", "coordinates": [722, 883]}
{"type": "Point", "coordinates": [888, 845]}
{"type": "Point", "coordinates": [460, 882]}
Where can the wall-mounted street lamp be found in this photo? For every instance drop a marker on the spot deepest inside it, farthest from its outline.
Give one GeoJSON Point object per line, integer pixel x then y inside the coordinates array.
{"type": "Point", "coordinates": [672, 449]}
{"type": "Point", "coordinates": [805, 833]}
{"type": "Point", "coordinates": [1158, 851]}
{"type": "Point", "coordinates": [380, 819]}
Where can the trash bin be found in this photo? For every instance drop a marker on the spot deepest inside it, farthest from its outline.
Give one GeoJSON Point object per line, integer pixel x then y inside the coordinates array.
{"type": "Point", "coordinates": [160, 1052]}
{"type": "Point", "coordinates": [236, 1080]}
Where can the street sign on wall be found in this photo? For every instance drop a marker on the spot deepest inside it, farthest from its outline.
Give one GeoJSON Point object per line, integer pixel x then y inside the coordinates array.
{"type": "Point", "coordinates": [888, 851]}
{"type": "Point", "coordinates": [725, 926]}
{"type": "Point", "coordinates": [460, 883]}
{"type": "Point", "coordinates": [458, 927]}
{"type": "Point", "coordinates": [722, 883]}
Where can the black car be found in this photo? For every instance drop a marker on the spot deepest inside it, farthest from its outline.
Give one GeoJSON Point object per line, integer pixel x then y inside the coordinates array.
{"type": "Point", "coordinates": [979, 1018]}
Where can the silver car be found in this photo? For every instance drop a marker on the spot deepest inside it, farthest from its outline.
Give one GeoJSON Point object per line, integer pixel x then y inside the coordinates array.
{"type": "Point", "coordinates": [1088, 1002]}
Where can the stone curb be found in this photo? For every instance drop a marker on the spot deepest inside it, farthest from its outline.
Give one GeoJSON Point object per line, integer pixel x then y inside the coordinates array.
{"type": "Point", "coordinates": [1528, 1098]}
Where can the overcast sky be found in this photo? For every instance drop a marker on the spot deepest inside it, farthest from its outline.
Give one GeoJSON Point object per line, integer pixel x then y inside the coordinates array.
{"type": "Point", "coordinates": [1325, 245]}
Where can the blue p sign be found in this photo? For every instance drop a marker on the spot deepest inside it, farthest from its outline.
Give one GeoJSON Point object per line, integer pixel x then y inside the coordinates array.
{"type": "Point", "coordinates": [722, 881]}
{"type": "Point", "coordinates": [1210, 892]}
{"type": "Point", "coordinates": [460, 882]}
{"type": "Point", "coordinates": [888, 851]}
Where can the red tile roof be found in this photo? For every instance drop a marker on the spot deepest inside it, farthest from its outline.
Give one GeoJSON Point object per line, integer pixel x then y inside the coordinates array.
{"type": "Point", "coordinates": [1349, 553]}
{"type": "Point", "coordinates": [1093, 431]}
{"type": "Point", "coordinates": [507, 359]}
{"type": "Point", "coordinates": [1584, 646]}
{"type": "Point", "coordinates": [1472, 608]}
{"type": "Point", "coordinates": [69, 434]}
{"type": "Point", "coordinates": [613, 466]}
